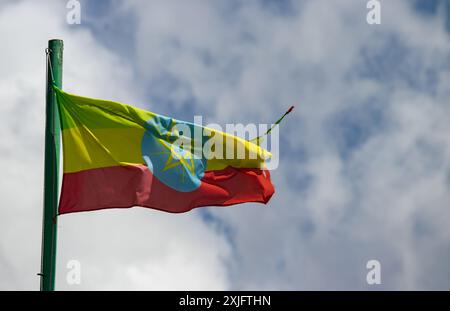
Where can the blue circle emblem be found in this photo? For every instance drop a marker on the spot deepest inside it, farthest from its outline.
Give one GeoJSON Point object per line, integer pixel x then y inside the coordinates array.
{"type": "Point", "coordinates": [173, 164]}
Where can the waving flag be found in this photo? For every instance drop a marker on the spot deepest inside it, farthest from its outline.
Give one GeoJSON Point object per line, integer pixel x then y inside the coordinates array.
{"type": "Point", "coordinates": [118, 156]}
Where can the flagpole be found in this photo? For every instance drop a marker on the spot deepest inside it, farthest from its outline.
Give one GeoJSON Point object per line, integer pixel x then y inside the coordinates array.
{"type": "Point", "coordinates": [51, 176]}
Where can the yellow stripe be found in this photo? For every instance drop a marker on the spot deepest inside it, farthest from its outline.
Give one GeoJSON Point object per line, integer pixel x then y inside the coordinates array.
{"type": "Point", "coordinates": [244, 154]}
{"type": "Point", "coordinates": [98, 133]}
{"type": "Point", "coordinates": [86, 148]}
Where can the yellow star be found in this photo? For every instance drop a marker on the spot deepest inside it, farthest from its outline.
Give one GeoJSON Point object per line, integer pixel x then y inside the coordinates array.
{"type": "Point", "coordinates": [176, 158]}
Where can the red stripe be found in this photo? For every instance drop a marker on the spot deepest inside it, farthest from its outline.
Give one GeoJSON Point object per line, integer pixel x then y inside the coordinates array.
{"type": "Point", "coordinates": [127, 186]}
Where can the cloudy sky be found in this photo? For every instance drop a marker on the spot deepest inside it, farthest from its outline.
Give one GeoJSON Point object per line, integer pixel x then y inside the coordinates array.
{"type": "Point", "coordinates": [365, 159]}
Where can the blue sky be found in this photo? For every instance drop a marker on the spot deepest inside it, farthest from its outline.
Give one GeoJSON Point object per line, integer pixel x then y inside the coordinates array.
{"type": "Point", "coordinates": [364, 171]}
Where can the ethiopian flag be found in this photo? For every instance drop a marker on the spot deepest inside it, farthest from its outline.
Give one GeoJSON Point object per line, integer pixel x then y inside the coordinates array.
{"type": "Point", "coordinates": [119, 156]}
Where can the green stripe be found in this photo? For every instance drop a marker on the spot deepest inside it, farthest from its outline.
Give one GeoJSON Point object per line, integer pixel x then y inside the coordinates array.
{"type": "Point", "coordinates": [96, 113]}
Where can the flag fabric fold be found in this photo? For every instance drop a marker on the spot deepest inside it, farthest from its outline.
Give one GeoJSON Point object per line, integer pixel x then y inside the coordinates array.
{"type": "Point", "coordinates": [119, 156]}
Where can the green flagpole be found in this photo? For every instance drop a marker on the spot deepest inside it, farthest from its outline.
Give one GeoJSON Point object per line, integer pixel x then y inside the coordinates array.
{"type": "Point", "coordinates": [51, 176]}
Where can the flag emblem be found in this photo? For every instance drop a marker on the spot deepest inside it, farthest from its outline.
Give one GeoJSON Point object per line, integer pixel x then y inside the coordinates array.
{"type": "Point", "coordinates": [176, 167]}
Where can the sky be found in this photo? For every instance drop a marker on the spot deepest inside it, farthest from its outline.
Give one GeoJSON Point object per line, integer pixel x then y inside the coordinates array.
{"type": "Point", "coordinates": [364, 168]}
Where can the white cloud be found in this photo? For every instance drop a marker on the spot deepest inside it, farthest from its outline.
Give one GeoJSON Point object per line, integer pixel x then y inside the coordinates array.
{"type": "Point", "coordinates": [143, 249]}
